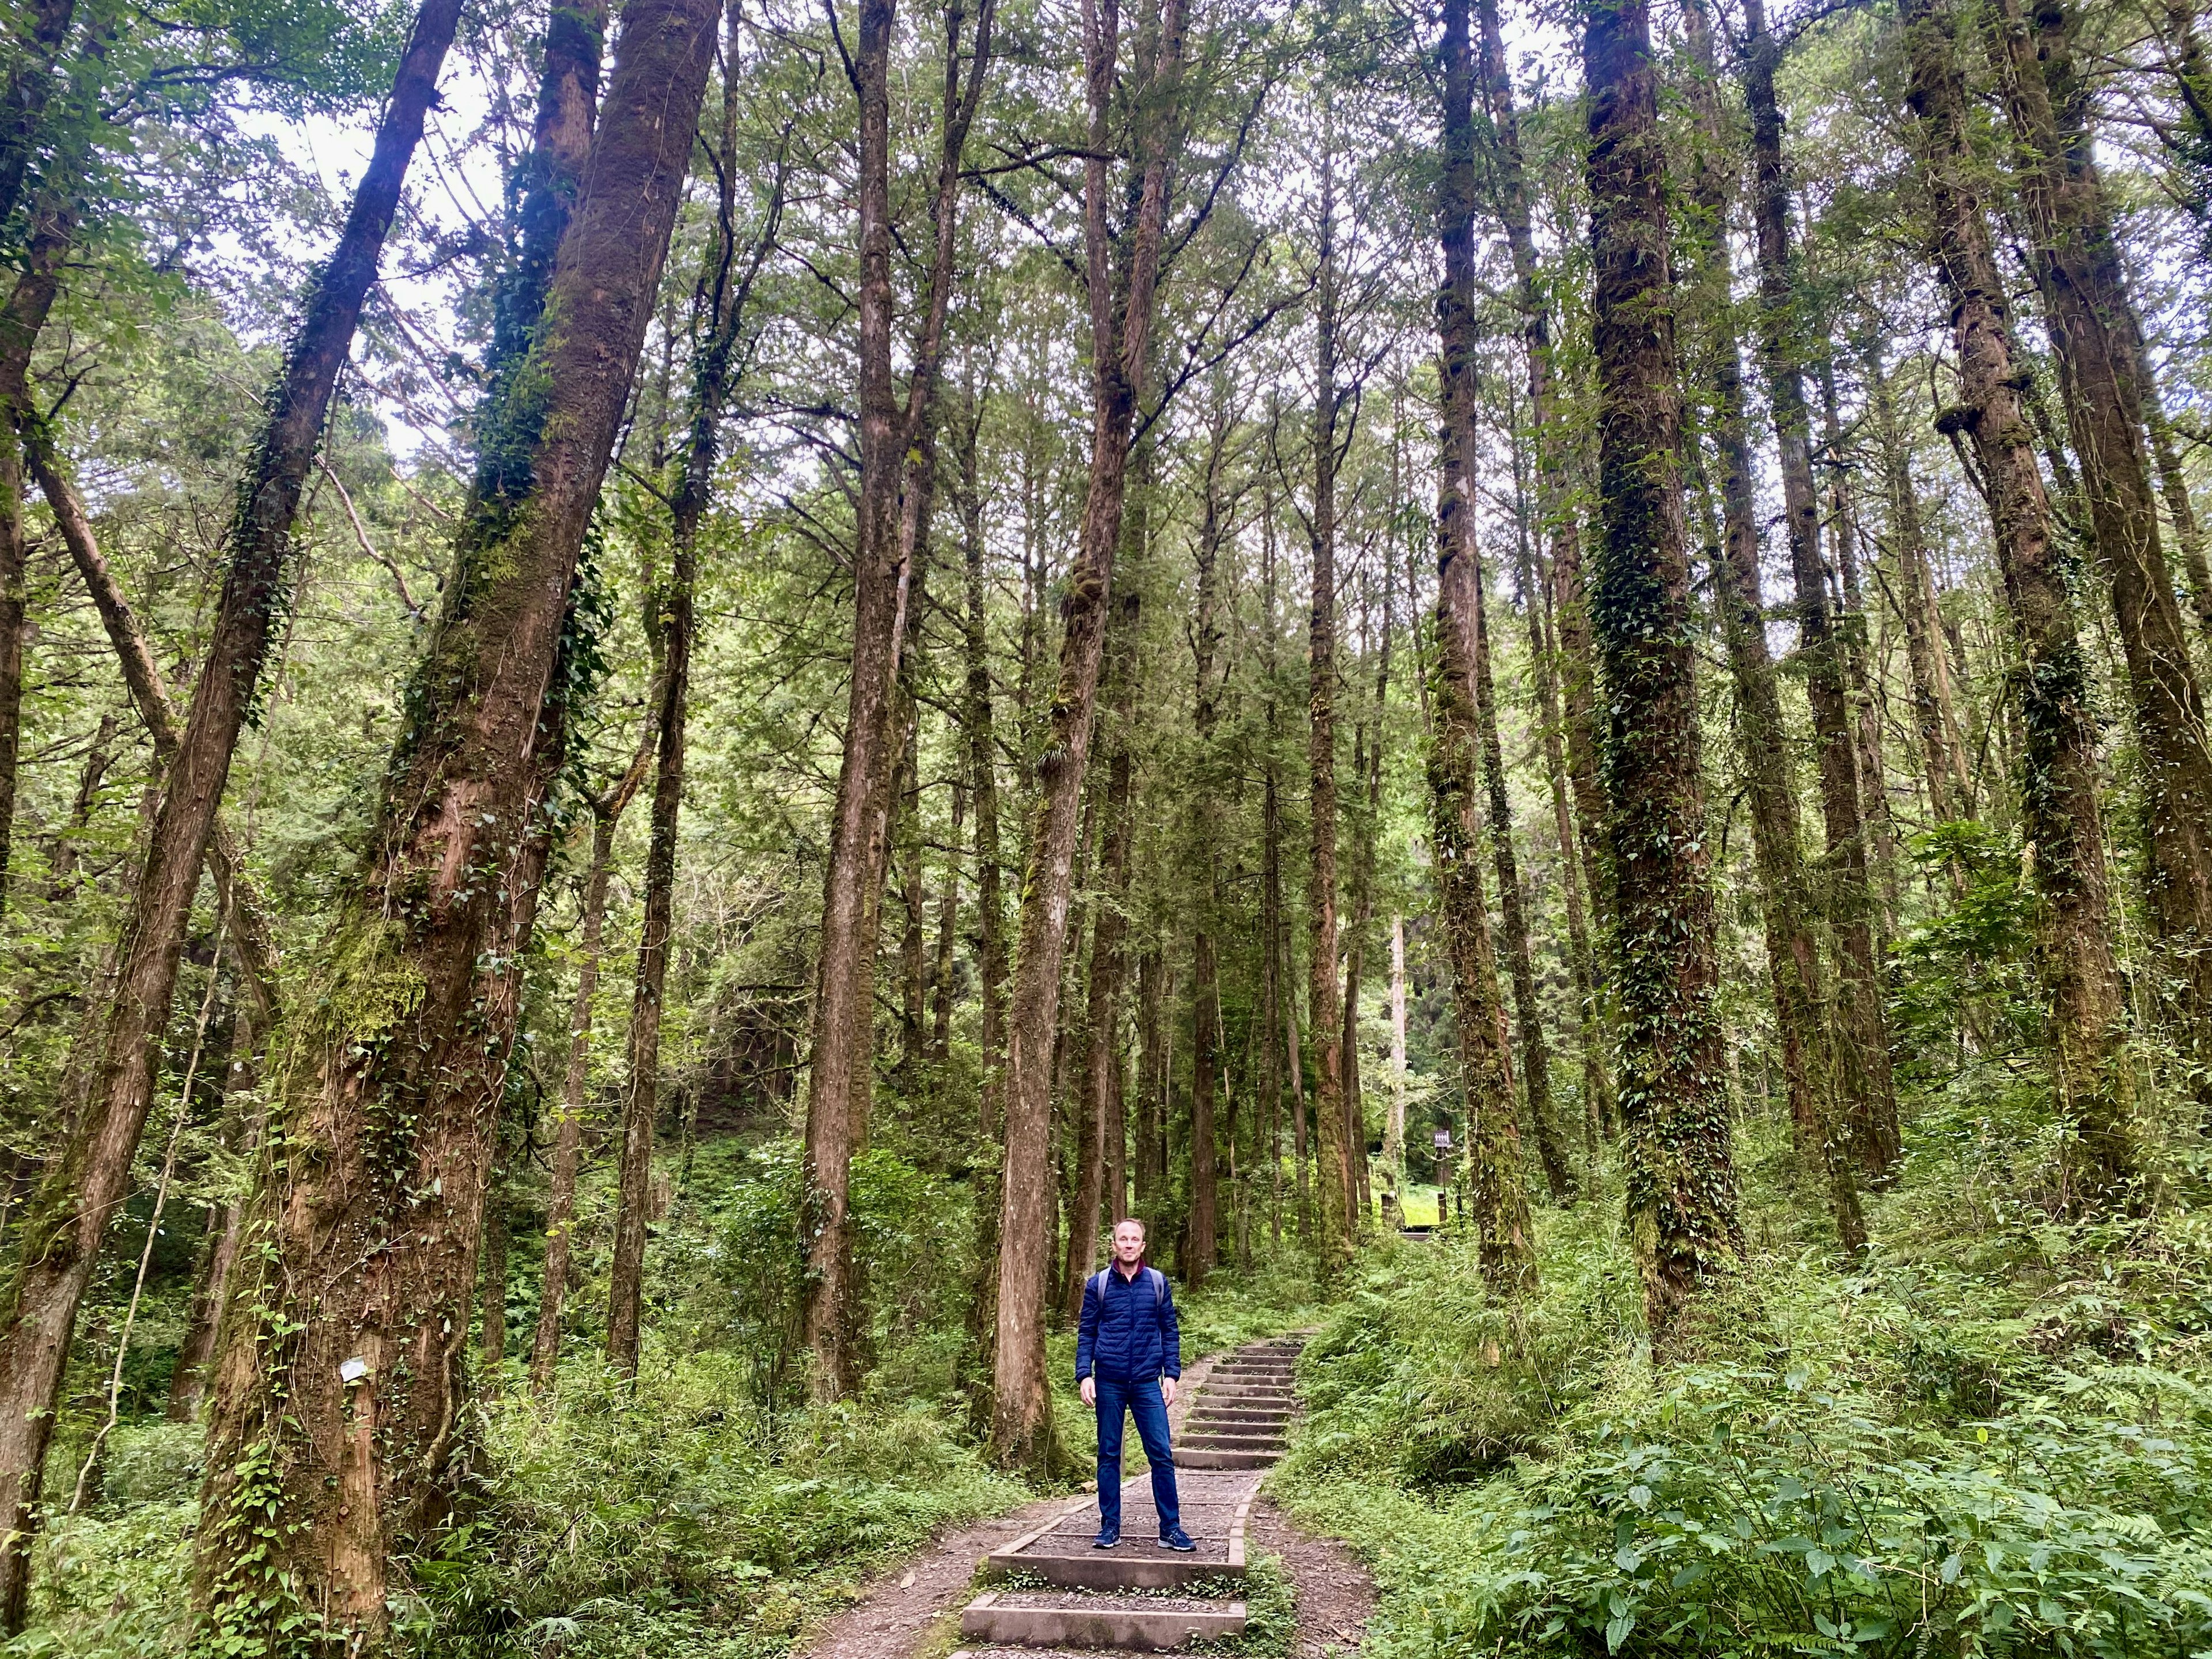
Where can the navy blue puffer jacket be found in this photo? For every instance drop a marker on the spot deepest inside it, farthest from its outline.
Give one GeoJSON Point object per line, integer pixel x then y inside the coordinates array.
{"type": "Point", "coordinates": [1128, 1332]}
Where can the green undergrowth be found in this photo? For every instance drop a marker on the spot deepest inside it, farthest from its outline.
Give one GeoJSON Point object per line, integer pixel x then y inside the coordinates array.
{"type": "Point", "coordinates": [1993, 1438]}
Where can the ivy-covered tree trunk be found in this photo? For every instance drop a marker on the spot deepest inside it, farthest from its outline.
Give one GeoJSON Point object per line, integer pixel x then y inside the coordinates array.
{"type": "Point", "coordinates": [2096, 346]}
{"type": "Point", "coordinates": [1123, 294]}
{"type": "Point", "coordinates": [2058, 795]}
{"type": "Point", "coordinates": [1865, 1091]}
{"type": "Point", "coordinates": [1673, 1098]}
{"type": "Point", "coordinates": [84, 1186]}
{"type": "Point", "coordinates": [1505, 1240]}
{"type": "Point", "coordinates": [335, 1394]}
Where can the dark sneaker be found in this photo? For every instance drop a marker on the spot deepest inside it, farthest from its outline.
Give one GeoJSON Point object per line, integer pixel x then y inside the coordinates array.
{"type": "Point", "coordinates": [1107, 1539]}
{"type": "Point", "coordinates": [1174, 1538]}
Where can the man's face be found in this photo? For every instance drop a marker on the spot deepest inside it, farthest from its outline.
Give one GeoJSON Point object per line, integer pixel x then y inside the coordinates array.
{"type": "Point", "coordinates": [1128, 1243]}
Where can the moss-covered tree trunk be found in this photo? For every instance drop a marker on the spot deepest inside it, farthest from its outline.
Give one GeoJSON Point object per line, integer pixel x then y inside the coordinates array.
{"type": "Point", "coordinates": [2095, 343]}
{"type": "Point", "coordinates": [84, 1186]}
{"type": "Point", "coordinates": [1674, 1099]}
{"type": "Point", "coordinates": [2059, 791]}
{"type": "Point", "coordinates": [336, 1407]}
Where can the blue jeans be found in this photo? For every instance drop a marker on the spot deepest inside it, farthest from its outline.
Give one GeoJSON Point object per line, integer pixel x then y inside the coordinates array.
{"type": "Point", "coordinates": [1142, 1402]}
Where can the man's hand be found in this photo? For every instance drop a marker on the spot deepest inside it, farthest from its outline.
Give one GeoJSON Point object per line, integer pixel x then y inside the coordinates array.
{"type": "Point", "coordinates": [1089, 1390]}
{"type": "Point", "coordinates": [1167, 1390]}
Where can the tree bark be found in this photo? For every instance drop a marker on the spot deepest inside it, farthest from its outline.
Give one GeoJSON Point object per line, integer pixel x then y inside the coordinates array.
{"type": "Point", "coordinates": [1865, 1091]}
{"type": "Point", "coordinates": [1950, 789]}
{"type": "Point", "coordinates": [1555, 493]}
{"type": "Point", "coordinates": [334, 1419]}
{"type": "Point", "coordinates": [1325, 1014]}
{"type": "Point", "coordinates": [1535, 1053]}
{"type": "Point", "coordinates": [1205, 1058]}
{"type": "Point", "coordinates": [1123, 296]}
{"type": "Point", "coordinates": [2097, 344]}
{"type": "Point", "coordinates": [1681, 1196]}
{"type": "Point", "coordinates": [896, 448]}
{"type": "Point", "coordinates": [249, 1037]}
{"type": "Point", "coordinates": [2059, 805]}
{"type": "Point", "coordinates": [1497, 1196]}
{"type": "Point", "coordinates": [568, 1127]}
{"type": "Point", "coordinates": [1394, 1138]}
{"type": "Point", "coordinates": [1102, 1023]}
{"type": "Point", "coordinates": [87, 1184]}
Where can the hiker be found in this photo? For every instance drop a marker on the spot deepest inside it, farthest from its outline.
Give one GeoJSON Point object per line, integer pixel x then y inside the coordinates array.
{"type": "Point", "coordinates": [1128, 1353]}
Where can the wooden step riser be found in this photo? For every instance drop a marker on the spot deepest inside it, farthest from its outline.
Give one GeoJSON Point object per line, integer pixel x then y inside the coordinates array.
{"type": "Point", "coordinates": [1203, 1459]}
{"type": "Point", "coordinates": [1147, 1630]}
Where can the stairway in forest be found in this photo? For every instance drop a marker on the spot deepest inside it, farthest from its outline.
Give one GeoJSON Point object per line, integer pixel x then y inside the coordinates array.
{"type": "Point", "coordinates": [1054, 1591]}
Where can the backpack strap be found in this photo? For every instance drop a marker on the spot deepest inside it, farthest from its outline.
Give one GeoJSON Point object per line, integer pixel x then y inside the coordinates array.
{"type": "Point", "coordinates": [1098, 1283]}
{"type": "Point", "coordinates": [1159, 1287]}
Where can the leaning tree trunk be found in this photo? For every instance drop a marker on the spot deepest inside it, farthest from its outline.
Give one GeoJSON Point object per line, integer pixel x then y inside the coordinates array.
{"type": "Point", "coordinates": [87, 1182]}
{"type": "Point", "coordinates": [369, 1223]}
{"type": "Point", "coordinates": [1673, 1097]}
{"type": "Point", "coordinates": [1123, 304]}
{"type": "Point", "coordinates": [2059, 802]}
{"type": "Point", "coordinates": [1866, 1092]}
{"type": "Point", "coordinates": [2095, 341]}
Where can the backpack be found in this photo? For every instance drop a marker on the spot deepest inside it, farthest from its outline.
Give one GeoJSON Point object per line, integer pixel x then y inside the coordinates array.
{"type": "Point", "coordinates": [1159, 1280]}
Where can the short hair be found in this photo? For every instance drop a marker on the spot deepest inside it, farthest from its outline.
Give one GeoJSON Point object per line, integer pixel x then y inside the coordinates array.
{"type": "Point", "coordinates": [1129, 1221]}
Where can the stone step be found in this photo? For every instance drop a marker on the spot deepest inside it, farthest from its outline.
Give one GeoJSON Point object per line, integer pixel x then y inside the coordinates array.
{"type": "Point", "coordinates": [1203, 1457]}
{"type": "Point", "coordinates": [1203, 1416]}
{"type": "Point", "coordinates": [1129, 1565]}
{"type": "Point", "coordinates": [1204, 1440]}
{"type": "Point", "coordinates": [1047, 1618]}
{"type": "Point", "coordinates": [1258, 1392]}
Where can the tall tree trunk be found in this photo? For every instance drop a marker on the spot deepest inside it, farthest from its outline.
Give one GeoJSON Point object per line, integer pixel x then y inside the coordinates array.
{"type": "Point", "coordinates": [977, 725]}
{"type": "Point", "coordinates": [897, 449]}
{"type": "Point", "coordinates": [1865, 1091]}
{"type": "Point", "coordinates": [1394, 1138]}
{"type": "Point", "coordinates": [1509, 194]}
{"type": "Point", "coordinates": [87, 1182]}
{"type": "Point", "coordinates": [249, 1037]}
{"type": "Point", "coordinates": [1496, 1193]}
{"type": "Point", "coordinates": [21, 321]}
{"type": "Point", "coordinates": [2059, 793]}
{"type": "Point", "coordinates": [1535, 1053]}
{"type": "Point", "coordinates": [1598, 1108]}
{"type": "Point", "coordinates": [1787, 903]}
{"type": "Point", "coordinates": [1101, 1024]}
{"type": "Point", "coordinates": [1206, 1057]}
{"type": "Point", "coordinates": [1325, 1017]}
{"type": "Point", "coordinates": [1151, 1084]}
{"type": "Point", "coordinates": [1283, 1028]}
{"type": "Point", "coordinates": [1123, 295]}
{"type": "Point", "coordinates": [717, 346]}
{"type": "Point", "coordinates": [491, 1279]}
{"type": "Point", "coordinates": [1950, 790]}
{"type": "Point", "coordinates": [371, 1218]}
{"type": "Point", "coordinates": [1673, 1097]}
{"type": "Point", "coordinates": [2097, 344]}
{"type": "Point", "coordinates": [948, 921]}
{"type": "Point", "coordinates": [569, 1124]}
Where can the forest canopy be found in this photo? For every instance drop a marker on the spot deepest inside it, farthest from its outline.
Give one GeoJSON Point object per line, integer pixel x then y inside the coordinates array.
{"type": "Point", "coordinates": [685, 687]}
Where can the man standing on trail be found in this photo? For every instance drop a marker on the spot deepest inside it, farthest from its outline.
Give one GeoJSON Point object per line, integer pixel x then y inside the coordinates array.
{"type": "Point", "coordinates": [1128, 1353]}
